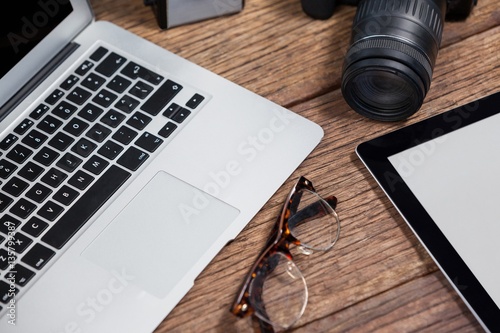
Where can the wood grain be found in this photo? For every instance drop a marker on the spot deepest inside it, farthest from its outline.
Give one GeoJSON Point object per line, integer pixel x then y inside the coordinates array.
{"type": "Point", "coordinates": [377, 278]}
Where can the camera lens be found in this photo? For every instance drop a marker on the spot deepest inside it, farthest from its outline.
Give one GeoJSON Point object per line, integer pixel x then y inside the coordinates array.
{"type": "Point", "coordinates": [388, 68]}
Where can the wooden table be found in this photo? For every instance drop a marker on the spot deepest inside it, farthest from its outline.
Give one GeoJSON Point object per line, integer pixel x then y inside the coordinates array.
{"type": "Point", "coordinates": [377, 277]}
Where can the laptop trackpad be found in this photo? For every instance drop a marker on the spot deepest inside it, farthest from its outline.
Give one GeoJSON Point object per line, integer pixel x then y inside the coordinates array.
{"type": "Point", "coordinates": [161, 233]}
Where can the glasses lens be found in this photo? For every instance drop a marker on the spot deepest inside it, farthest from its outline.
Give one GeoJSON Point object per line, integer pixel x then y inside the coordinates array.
{"type": "Point", "coordinates": [314, 223]}
{"type": "Point", "coordinates": [279, 292]}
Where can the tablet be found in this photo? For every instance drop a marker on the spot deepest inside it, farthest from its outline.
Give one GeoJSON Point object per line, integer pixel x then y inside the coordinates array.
{"type": "Point", "coordinates": [443, 176]}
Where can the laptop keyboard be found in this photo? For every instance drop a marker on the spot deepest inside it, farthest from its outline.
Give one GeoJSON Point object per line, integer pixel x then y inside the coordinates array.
{"type": "Point", "coordinates": [74, 151]}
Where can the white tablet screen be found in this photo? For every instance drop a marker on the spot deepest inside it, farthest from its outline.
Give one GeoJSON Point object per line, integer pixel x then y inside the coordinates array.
{"type": "Point", "coordinates": [456, 178]}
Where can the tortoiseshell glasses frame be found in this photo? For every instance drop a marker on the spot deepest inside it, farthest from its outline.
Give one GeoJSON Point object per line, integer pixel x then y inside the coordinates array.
{"type": "Point", "coordinates": [249, 300]}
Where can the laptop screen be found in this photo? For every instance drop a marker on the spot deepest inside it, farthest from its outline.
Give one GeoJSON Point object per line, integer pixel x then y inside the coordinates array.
{"type": "Point", "coordinates": [25, 24]}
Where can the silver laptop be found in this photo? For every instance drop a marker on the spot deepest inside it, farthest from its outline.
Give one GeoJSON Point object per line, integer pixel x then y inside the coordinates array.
{"type": "Point", "coordinates": [124, 170]}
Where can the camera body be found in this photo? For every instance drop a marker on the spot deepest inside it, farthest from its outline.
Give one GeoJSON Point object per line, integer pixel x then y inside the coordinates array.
{"type": "Point", "coordinates": [172, 13]}
{"type": "Point", "coordinates": [388, 68]}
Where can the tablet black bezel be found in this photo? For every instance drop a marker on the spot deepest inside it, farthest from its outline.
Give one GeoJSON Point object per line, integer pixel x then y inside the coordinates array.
{"type": "Point", "coordinates": [375, 155]}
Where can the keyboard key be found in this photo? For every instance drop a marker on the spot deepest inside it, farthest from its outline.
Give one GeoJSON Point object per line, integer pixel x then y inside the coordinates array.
{"type": "Point", "coordinates": [46, 156]}
{"type": "Point", "coordinates": [80, 180]}
{"type": "Point", "coordinates": [19, 153]}
{"type": "Point", "coordinates": [141, 90]}
{"type": "Point", "coordinates": [64, 110]}
{"type": "Point", "coordinates": [39, 111]}
{"type": "Point", "coordinates": [20, 242]}
{"type": "Point", "coordinates": [104, 98]}
{"type": "Point", "coordinates": [50, 211]}
{"type": "Point", "coordinates": [85, 207]}
{"type": "Point", "coordinates": [69, 82]}
{"type": "Point", "coordinates": [31, 171]}
{"type": "Point", "coordinates": [133, 158]}
{"type": "Point", "coordinates": [167, 129]}
{"type": "Point", "coordinates": [110, 150]}
{"type": "Point", "coordinates": [54, 177]}
{"type": "Point", "coordinates": [4, 259]}
{"type": "Point", "coordinates": [34, 139]}
{"type": "Point", "coordinates": [84, 68]}
{"type": "Point", "coordinates": [181, 115]}
{"type": "Point", "coordinates": [126, 104]}
{"type": "Point", "coordinates": [61, 141]}
{"type": "Point", "coordinates": [111, 64]}
{"type": "Point", "coordinates": [6, 168]}
{"type": "Point", "coordinates": [84, 147]}
{"type": "Point", "coordinates": [90, 112]}
{"type": "Point", "coordinates": [8, 141]}
{"type": "Point", "coordinates": [195, 101]}
{"type": "Point", "coordinates": [49, 124]}
{"type": "Point", "coordinates": [23, 208]}
{"type": "Point", "coordinates": [134, 71]}
{"type": "Point", "coordinates": [96, 164]}
{"type": "Point", "coordinates": [54, 97]}
{"type": "Point", "coordinates": [139, 120]}
{"type": "Point", "coordinates": [119, 84]}
{"type": "Point", "coordinates": [171, 110]}
{"type": "Point", "coordinates": [20, 275]}
{"type": "Point", "coordinates": [8, 224]}
{"type": "Point", "coordinates": [149, 142]}
{"type": "Point", "coordinates": [124, 135]}
{"type": "Point", "coordinates": [69, 162]}
{"type": "Point", "coordinates": [34, 226]}
{"type": "Point", "coordinates": [93, 81]}
{"type": "Point", "coordinates": [23, 126]}
{"type": "Point", "coordinates": [6, 293]}
{"type": "Point", "coordinates": [15, 186]}
{"type": "Point", "coordinates": [79, 95]}
{"type": "Point", "coordinates": [5, 202]}
{"type": "Point", "coordinates": [76, 126]}
{"type": "Point", "coordinates": [99, 53]}
{"type": "Point", "coordinates": [38, 193]}
{"type": "Point", "coordinates": [66, 195]}
{"type": "Point", "coordinates": [161, 97]}
{"type": "Point", "coordinates": [38, 256]}
{"type": "Point", "coordinates": [113, 118]}
{"type": "Point", "coordinates": [98, 132]}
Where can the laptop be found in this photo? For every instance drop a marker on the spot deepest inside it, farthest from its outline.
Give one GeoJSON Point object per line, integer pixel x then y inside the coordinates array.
{"type": "Point", "coordinates": [124, 170]}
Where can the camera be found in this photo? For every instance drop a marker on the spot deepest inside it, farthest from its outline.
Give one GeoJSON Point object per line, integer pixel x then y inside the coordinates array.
{"type": "Point", "coordinates": [394, 44]}
{"type": "Point", "coordinates": [172, 13]}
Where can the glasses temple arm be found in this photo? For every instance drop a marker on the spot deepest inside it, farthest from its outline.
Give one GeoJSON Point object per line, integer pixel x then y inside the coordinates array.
{"type": "Point", "coordinates": [260, 326]}
{"type": "Point", "coordinates": [312, 210]}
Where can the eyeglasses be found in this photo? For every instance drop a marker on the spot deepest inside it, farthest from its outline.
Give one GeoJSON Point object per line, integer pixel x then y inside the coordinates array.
{"type": "Point", "coordinates": [275, 290]}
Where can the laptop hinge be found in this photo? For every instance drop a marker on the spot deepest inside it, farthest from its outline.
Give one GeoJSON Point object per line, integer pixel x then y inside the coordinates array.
{"type": "Point", "coordinates": [37, 79]}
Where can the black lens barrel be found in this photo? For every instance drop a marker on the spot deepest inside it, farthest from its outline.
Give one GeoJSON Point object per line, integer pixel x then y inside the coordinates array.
{"type": "Point", "coordinates": [388, 68]}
